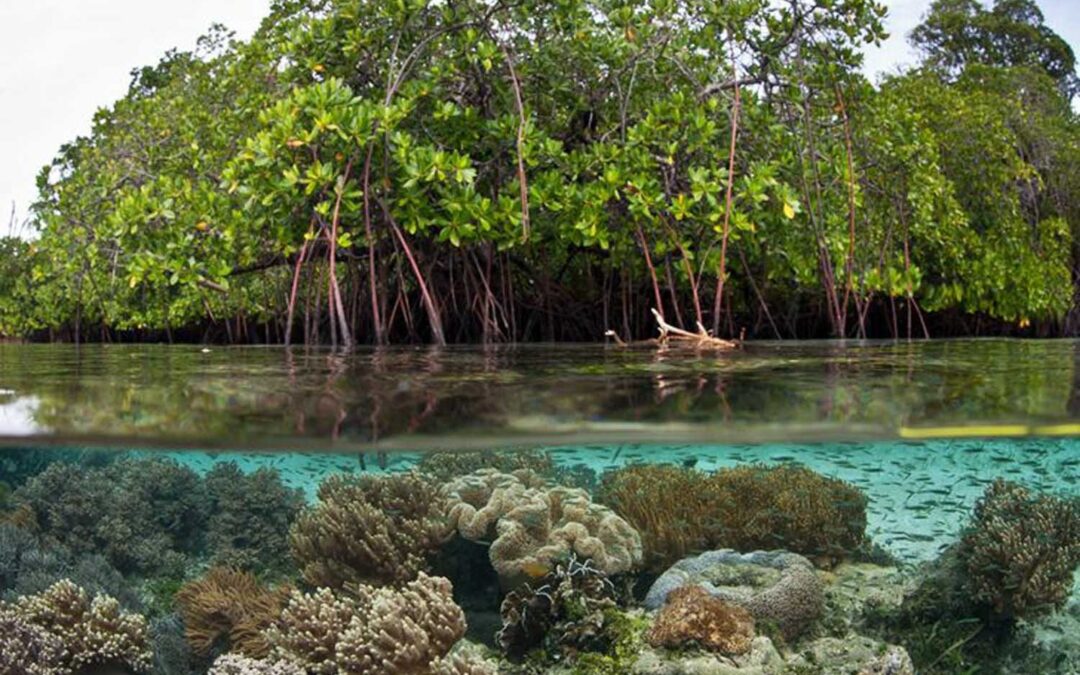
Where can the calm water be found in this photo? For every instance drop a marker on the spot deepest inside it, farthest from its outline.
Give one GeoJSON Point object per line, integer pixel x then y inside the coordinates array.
{"type": "Point", "coordinates": [922, 429]}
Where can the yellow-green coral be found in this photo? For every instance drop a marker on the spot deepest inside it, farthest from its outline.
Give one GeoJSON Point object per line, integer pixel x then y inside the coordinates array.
{"type": "Point", "coordinates": [679, 511]}
{"type": "Point", "coordinates": [369, 530]}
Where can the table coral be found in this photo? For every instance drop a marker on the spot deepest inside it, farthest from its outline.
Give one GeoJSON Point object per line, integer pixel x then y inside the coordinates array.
{"type": "Point", "coordinates": [532, 527]}
{"type": "Point", "coordinates": [229, 606]}
{"type": "Point", "coordinates": [92, 631]}
{"type": "Point", "coordinates": [693, 616]}
{"type": "Point", "coordinates": [369, 630]}
{"type": "Point", "coordinates": [378, 530]}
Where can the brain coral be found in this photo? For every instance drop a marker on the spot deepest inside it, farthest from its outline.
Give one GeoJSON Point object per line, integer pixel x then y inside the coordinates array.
{"type": "Point", "coordinates": [692, 615]}
{"type": "Point", "coordinates": [91, 632]}
{"type": "Point", "coordinates": [1021, 550]}
{"type": "Point", "coordinates": [369, 630]}
{"type": "Point", "coordinates": [532, 527]}
{"type": "Point", "coordinates": [369, 530]}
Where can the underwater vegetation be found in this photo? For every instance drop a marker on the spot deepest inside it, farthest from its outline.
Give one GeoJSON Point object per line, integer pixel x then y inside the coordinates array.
{"type": "Point", "coordinates": [680, 511]}
{"type": "Point", "coordinates": [381, 529]}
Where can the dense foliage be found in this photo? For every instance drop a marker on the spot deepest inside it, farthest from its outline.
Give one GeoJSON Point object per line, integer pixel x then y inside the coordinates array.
{"type": "Point", "coordinates": [372, 172]}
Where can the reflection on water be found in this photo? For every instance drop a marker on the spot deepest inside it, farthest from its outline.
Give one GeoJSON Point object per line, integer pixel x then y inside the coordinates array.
{"type": "Point", "coordinates": [469, 397]}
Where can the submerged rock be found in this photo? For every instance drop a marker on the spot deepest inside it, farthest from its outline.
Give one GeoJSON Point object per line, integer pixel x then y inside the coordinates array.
{"type": "Point", "coordinates": [854, 655]}
{"type": "Point", "coordinates": [761, 659]}
{"type": "Point", "coordinates": [776, 587]}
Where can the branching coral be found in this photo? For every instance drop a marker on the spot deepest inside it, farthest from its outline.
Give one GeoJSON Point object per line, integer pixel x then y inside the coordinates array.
{"type": "Point", "coordinates": [747, 508]}
{"type": "Point", "coordinates": [369, 530]}
{"type": "Point", "coordinates": [692, 615]}
{"type": "Point", "coordinates": [229, 607]}
{"type": "Point", "coordinates": [143, 515]}
{"type": "Point", "coordinates": [532, 527]}
{"type": "Point", "coordinates": [90, 631]}
{"type": "Point", "coordinates": [236, 664]}
{"type": "Point", "coordinates": [250, 516]}
{"type": "Point", "coordinates": [369, 630]}
{"type": "Point", "coordinates": [1021, 550]}
{"type": "Point", "coordinates": [26, 649]}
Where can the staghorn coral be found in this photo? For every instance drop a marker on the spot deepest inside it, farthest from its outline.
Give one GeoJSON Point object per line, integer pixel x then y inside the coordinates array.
{"type": "Point", "coordinates": [565, 614]}
{"type": "Point", "coordinates": [250, 515]}
{"type": "Point", "coordinates": [369, 530]}
{"type": "Point", "coordinates": [369, 630]}
{"type": "Point", "coordinates": [231, 607]}
{"type": "Point", "coordinates": [532, 527]}
{"type": "Point", "coordinates": [747, 508]}
{"type": "Point", "coordinates": [1021, 550]}
{"type": "Point", "coordinates": [692, 615]}
{"type": "Point", "coordinates": [144, 515]}
{"type": "Point", "coordinates": [91, 631]}
{"type": "Point", "coordinates": [26, 649]}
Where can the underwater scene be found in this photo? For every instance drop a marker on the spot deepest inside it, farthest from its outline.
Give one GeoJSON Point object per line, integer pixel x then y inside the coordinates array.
{"type": "Point", "coordinates": [807, 508]}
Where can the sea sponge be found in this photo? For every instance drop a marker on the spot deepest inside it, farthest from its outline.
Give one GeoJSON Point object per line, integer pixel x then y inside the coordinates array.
{"type": "Point", "coordinates": [26, 649]}
{"type": "Point", "coordinates": [369, 630]}
{"type": "Point", "coordinates": [370, 530]}
{"type": "Point", "coordinates": [747, 508]}
{"type": "Point", "coordinates": [91, 631]}
{"type": "Point", "coordinates": [1021, 550]}
{"type": "Point", "coordinates": [692, 615]}
{"type": "Point", "coordinates": [532, 527]}
{"type": "Point", "coordinates": [250, 515]}
{"type": "Point", "coordinates": [777, 587]}
{"type": "Point", "coordinates": [227, 607]}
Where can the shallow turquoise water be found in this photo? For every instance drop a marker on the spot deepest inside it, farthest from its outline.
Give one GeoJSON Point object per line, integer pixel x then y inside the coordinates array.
{"type": "Point", "coordinates": [921, 429]}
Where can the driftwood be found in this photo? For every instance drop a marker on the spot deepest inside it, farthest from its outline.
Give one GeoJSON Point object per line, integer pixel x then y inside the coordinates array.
{"type": "Point", "coordinates": [671, 336]}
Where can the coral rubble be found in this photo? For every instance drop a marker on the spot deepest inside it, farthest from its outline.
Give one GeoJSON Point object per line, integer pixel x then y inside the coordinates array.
{"type": "Point", "coordinates": [369, 530]}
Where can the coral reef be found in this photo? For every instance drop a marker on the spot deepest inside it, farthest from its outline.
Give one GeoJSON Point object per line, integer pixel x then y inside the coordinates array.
{"type": "Point", "coordinates": [851, 654]}
{"type": "Point", "coordinates": [369, 530]}
{"type": "Point", "coordinates": [236, 664]}
{"type": "Point", "coordinates": [27, 649]}
{"type": "Point", "coordinates": [447, 465]}
{"type": "Point", "coordinates": [369, 630]}
{"type": "Point", "coordinates": [250, 515]}
{"type": "Point", "coordinates": [143, 515]}
{"type": "Point", "coordinates": [680, 510]}
{"type": "Point", "coordinates": [1021, 550]}
{"type": "Point", "coordinates": [172, 653]}
{"type": "Point", "coordinates": [91, 632]}
{"type": "Point", "coordinates": [227, 607]}
{"type": "Point", "coordinates": [692, 615]}
{"type": "Point", "coordinates": [565, 613]}
{"type": "Point", "coordinates": [532, 527]}
{"type": "Point", "coordinates": [778, 588]}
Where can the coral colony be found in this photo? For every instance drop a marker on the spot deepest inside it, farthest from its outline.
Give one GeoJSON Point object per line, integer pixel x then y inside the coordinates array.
{"type": "Point", "coordinates": [473, 563]}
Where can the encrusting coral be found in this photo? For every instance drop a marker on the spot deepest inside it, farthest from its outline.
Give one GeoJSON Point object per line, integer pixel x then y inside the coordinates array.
{"type": "Point", "coordinates": [1021, 550]}
{"type": "Point", "coordinates": [90, 632]}
{"type": "Point", "coordinates": [229, 608]}
{"type": "Point", "coordinates": [531, 527]}
{"type": "Point", "coordinates": [692, 615]}
{"type": "Point", "coordinates": [369, 630]}
{"type": "Point", "coordinates": [380, 530]}
{"type": "Point", "coordinates": [747, 508]}
{"type": "Point", "coordinates": [250, 515]}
